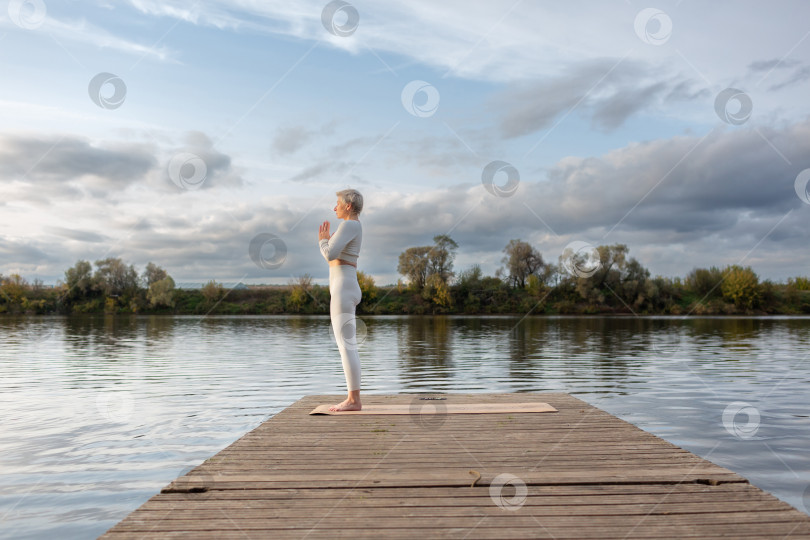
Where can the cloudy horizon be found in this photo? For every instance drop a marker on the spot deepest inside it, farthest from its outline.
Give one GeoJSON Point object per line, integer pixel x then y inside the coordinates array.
{"type": "Point", "coordinates": [152, 131]}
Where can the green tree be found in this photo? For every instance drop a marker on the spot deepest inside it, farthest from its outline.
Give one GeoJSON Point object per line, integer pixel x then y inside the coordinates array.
{"type": "Point", "coordinates": [212, 292]}
{"type": "Point", "coordinates": [619, 280]}
{"type": "Point", "coordinates": [367, 287]}
{"type": "Point", "coordinates": [467, 288]}
{"type": "Point", "coordinates": [799, 283]}
{"type": "Point", "coordinates": [161, 292]}
{"type": "Point", "coordinates": [79, 279]}
{"type": "Point", "coordinates": [741, 286]}
{"type": "Point", "coordinates": [414, 264]}
{"type": "Point", "coordinates": [299, 292]}
{"type": "Point", "coordinates": [418, 263]}
{"type": "Point", "coordinates": [535, 285]}
{"type": "Point", "coordinates": [521, 261]}
{"type": "Point", "coordinates": [14, 288]}
{"type": "Point", "coordinates": [153, 273]}
{"type": "Point", "coordinates": [704, 282]}
{"type": "Point", "coordinates": [114, 277]}
{"type": "Point", "coordinates": [437, 291]}
{"type": "Point", "coordinates": [110, 305]}
{"type": "Point", "coordinates": [470, 278]}
{"type": "Point", "coordinates": [440, 257]}
{"type": "Point", "coordinates": [613, 263]}
{"type": "Point", "coordinates": [635, 285]}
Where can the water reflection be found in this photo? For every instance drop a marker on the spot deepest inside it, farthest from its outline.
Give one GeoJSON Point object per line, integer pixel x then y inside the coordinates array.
{"type": "Point", "coordinates": [160, 330]}
{"type": "Point", "coordinates": [425, 342]}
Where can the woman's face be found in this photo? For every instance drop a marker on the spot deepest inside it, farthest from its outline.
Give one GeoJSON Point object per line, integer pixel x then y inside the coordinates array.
{"type": "Point", "coordinates": [340, 209]}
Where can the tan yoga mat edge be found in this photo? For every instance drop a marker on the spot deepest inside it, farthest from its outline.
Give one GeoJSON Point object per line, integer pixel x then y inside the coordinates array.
{"type": "Point", "coordinates": [439, 407]}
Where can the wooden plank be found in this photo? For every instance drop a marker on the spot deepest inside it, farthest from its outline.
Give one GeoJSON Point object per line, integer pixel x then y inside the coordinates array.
{"type": "Point", "coordinates": [547, 493]}
{"type": "Point", "coordinates": [477, 533]}
{"type": "Point", "coordinates": [368, 510]}
{"type": "Point", "coordinates": [733, 525]}
{"type": "Point", "coordinates": [586, 474]}
{"type": "Point", "coordinates": [395, 507]}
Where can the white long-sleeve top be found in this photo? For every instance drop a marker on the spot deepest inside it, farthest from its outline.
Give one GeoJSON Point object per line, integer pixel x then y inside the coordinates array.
{"type": "Point", "coordinates": [345, 243]}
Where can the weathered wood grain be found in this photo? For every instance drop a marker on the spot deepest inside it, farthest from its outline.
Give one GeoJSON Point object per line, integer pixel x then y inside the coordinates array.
{"type": "Point", "coordinates": [584, 472]}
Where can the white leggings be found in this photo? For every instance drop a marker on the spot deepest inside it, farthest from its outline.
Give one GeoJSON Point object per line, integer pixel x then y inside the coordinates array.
{"type": "Point", "coordinates": [345, 295]}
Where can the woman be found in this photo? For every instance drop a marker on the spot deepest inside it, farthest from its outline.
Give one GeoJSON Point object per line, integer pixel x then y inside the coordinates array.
{"type": "Point", "coordinates": [341, 251]}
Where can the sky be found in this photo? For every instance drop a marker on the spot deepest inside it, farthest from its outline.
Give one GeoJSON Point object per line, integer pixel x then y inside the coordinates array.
{"type": "Point", "coordinates": [210, 137]}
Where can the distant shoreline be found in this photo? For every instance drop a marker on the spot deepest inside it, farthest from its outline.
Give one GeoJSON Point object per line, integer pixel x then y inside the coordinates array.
{"type": "Point", "coordinates": [486, 300]}
{"type": "Point", "coordinates": [428, 315]}
{"type": "Point", "coordinates": [617, 287]}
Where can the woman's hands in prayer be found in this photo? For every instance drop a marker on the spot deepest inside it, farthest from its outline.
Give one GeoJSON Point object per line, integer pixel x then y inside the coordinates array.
{"type": "Point", "coordinates": [323, 231]}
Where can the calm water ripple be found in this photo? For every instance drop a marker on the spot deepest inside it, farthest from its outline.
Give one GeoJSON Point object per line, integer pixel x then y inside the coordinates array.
{"type": "Point", "coordinates": [99, 413]}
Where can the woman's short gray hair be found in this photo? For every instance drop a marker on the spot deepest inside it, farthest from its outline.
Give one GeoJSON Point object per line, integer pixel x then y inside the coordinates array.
{"type": "Point", "coordinates": [352, 197]}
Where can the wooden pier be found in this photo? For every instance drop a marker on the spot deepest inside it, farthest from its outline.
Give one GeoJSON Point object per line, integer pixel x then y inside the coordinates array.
{"type": "Point", "coordinates": [576, 473]}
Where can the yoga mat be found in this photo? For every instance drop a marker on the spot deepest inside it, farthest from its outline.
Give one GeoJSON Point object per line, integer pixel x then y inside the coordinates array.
{"type": "Point", "coordinates": [440, 407]}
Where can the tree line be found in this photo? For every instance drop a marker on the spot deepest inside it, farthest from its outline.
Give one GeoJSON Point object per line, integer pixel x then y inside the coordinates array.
{"type": "Point", "coordinates": [604, 279]}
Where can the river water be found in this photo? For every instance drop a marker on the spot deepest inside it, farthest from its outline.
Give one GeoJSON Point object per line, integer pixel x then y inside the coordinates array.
{"type": "Point", "coordinates": [99, 413]}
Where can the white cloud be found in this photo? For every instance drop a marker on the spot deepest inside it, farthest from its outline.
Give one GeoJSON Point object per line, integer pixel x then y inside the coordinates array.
{"type": "Point", "coordinates": [522, 40]}
{"type": "Point", "coordinates": [679, 203]}
{"type": "Point", "coordinates": [82, 31]}
{"type": "Point", "coordinates": [712, 47]}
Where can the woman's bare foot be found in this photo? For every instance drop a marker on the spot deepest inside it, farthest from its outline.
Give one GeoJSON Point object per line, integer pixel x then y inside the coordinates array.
{"type": "Point", "coordinates": [347, 405]}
